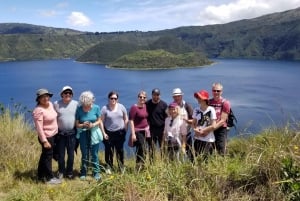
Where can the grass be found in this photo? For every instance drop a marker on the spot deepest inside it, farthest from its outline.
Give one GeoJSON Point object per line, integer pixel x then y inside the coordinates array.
{"type": "Point", "coordinates": [265, 166]}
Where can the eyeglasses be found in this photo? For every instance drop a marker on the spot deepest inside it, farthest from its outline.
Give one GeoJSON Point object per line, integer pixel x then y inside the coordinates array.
{"type": "Point", "coordinates": [171, 123]}
{"type": "Point", "coordinates": [112, 98]}
{"type": "Point", "coordinates": [67, 92]}
{"type": "Point", "coordinates": [142, 97]}
{"type": "Point", "coordinates": [217, 91]}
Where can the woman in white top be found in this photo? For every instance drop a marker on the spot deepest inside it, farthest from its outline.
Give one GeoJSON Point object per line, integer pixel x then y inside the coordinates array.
{"type": "Point", "coordinates": [175, 132]}
{"type": "Point", "coordinates": [204, 121]}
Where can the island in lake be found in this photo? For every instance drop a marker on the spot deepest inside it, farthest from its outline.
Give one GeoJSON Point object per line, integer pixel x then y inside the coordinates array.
{"type": "Point", "coordinates": [159, 59]}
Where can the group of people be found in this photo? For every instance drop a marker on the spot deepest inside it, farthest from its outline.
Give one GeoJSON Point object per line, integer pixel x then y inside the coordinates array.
{"type": "Point", "coordinates": [175, 126]}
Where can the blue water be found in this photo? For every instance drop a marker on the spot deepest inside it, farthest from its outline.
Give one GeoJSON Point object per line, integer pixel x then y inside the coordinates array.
{"type": "Point", "coordinates": [262, 93]}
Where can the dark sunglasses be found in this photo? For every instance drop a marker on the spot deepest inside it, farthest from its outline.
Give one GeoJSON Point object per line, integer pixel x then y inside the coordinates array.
{"type": "Point", "coordinates": [216, 90]}
{"type": "Point", "coordinates": [68, 92]}
{"type": "Point", "coordinates": [113, 98]}
{"type": "Point", "coordinates": [142, 97]}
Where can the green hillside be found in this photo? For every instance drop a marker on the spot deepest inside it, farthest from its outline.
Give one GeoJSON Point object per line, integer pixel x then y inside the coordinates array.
{"type": "Point", "coordinates": [274, 36]}
{"type": "Point", "coordinates": [107, 52]}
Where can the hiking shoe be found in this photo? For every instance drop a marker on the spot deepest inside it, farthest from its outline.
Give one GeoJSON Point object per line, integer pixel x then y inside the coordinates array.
{"type": "Point", "coordinates": [83, 177]}
{"type": "Point", "coordinates": [122, 170]}
{"type": "Point", "coordinates": [54, 181]}
{"type": "Point", "coordinates": [70, 176]}
{"type": "Point", "coordinates": [97, 176]}
{"type": "Point", "coordinates": [60, 175]}
{"type": "Point", "coordinates": [108, 171]}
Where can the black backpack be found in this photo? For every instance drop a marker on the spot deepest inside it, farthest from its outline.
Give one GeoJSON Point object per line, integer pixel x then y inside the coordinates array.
{"type": "Point", "coordinates": [231, 120]}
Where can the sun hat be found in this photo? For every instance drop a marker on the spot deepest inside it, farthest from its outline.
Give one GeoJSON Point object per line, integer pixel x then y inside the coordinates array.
{"type": "Point", "coordinates": [177, 92]}
{"type": "Point", "coordinates": [173, 105]}
{"type": "Point", "coordinates": [202, 94]}
{"type": "Point", "coordinates": [41, 92]}
{"type": "Point", "coordinates": [156, 91]}
{"type": "Point", "coordinates": [65, 88]}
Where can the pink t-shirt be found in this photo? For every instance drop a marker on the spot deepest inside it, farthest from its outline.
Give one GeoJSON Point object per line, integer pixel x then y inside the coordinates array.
{"type": "Point", "coordinates": [218, 107]}
{"type": "Point", "coordinates": [45, 120]}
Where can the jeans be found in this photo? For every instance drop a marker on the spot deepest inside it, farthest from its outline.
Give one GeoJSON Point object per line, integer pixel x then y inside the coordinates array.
{"type": "Point", "coordinates": [45, 162]}
{"type": "Point", "coordinates": [140, 144]}
{"type": "Point", "coordinates": [66, 143]}
{"type": "Point", "coordinates": [88, 150]}
{"type": "Point", "coordinates": [115, 141]}
{"type": "Point", "coordinates": [221, 140]}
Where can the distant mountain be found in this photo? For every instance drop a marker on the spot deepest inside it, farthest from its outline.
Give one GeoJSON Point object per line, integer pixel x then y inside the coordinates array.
{"type": "Point", "coordinates": [21, 28]}
{"type": "Point", "coordinates": [273, 36]}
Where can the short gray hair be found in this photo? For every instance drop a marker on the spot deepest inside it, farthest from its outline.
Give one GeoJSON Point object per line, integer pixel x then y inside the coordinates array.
{"type": "Point", "coordinates": [86, 98]}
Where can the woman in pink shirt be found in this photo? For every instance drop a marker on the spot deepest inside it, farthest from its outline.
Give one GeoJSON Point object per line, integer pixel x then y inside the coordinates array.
{"type": "Point", "coordinates": [45, 120]}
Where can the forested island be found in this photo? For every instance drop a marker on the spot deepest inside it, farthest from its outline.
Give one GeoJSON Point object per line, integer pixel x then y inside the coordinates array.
{"type": "Point", "coordinates": [159, 59]}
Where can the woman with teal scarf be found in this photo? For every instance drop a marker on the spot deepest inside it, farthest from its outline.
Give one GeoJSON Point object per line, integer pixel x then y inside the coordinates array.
{"type": "Point", "coordinates": [89, 132]}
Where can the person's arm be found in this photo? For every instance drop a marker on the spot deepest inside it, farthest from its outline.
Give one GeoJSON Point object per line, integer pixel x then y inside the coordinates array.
{"type": "Point", "coordinates": [183, 132]}
{"type": "Point", "coordinates": [133, 136]}
{"type": "Point", "coordinates": [209, 128]}
{"type": "Point", "coordinates": [125, 118]}
{"type": "Point", "coordinates": [39, 122]}
{"type": "Point", "coordinates": [224, 115]}
{"type": "Point", "coordinates": [81, 125]}
{"type": "Point", "coordinates": [100, 124]}
{"type": "Point", "coordinates": [189, 110]}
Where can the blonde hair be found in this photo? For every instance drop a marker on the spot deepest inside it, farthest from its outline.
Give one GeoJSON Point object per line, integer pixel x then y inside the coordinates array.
{"type": "Point", "coordinates": [217, 84]}
{"type": "Point", "coordinates": [86, 98]}
{"type": "Point", "coordinates": [142, 93]}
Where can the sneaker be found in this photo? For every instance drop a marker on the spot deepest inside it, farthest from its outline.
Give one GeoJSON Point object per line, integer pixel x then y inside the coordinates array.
{"type": "Point", "coordinates": [108, 171]}
{"type": "Point", "coordinates": [60, 175]}
{"type": "Point", "coordinates": [122, 170]}
{"type": "Point", "coordinates": [54, 181]}
{"type": "Point", "coordinates": [70, 176]}
{"type": "Point", "coordinates": [83, 177]}
{"type": "Point", "coordinates": [97, 176]}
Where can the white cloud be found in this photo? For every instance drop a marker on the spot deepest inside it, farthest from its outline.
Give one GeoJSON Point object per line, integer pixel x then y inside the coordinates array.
{"type": "Point", "coordinates": [243, 9]}
{"type": "Point", "coordinates": [78, 19]}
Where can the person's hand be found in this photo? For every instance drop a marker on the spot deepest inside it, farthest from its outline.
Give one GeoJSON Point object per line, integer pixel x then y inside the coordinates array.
{"type": "Point", "coordinates": [133, 137]}
{"type": "Point", "coordinates": [199, 132]}
{"type": "Point", "coordinates": [86, 124]}
{"type": "Point", "coordinates": [47, 145]}
{"type": "Point", "coordinates": [105, 136]}
{"type": "Point", "coordinates": [183, 149]}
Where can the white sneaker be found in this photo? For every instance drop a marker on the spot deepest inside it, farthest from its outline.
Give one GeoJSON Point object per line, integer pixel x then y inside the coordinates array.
{"type": "Point", "coordinates": [108, 171]}
{"type": "Point", "coordinates": [60, 175]}
{"type": "Point", "coordinates": [54, 181]}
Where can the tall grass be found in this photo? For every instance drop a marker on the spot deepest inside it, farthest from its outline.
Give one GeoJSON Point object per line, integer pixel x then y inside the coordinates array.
{"type": "Point", "coordinates": [265, 166]}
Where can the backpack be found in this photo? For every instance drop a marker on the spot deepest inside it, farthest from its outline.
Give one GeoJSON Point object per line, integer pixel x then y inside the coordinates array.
{"type": "Point", "coordinates": [231, 120]}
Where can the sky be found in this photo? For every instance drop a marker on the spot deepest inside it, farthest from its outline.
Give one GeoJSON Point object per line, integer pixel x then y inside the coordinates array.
{"type": "Point", "coordinates": [135, 15]}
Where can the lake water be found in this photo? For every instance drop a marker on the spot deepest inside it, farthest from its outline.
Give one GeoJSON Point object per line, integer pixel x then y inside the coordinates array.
{"type": "Point", "coordinates": [262, 93]}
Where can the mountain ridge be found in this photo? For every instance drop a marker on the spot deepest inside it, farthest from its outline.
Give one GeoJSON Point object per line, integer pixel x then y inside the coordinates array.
{"type": "Point", "coordinates": [271, 36]}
